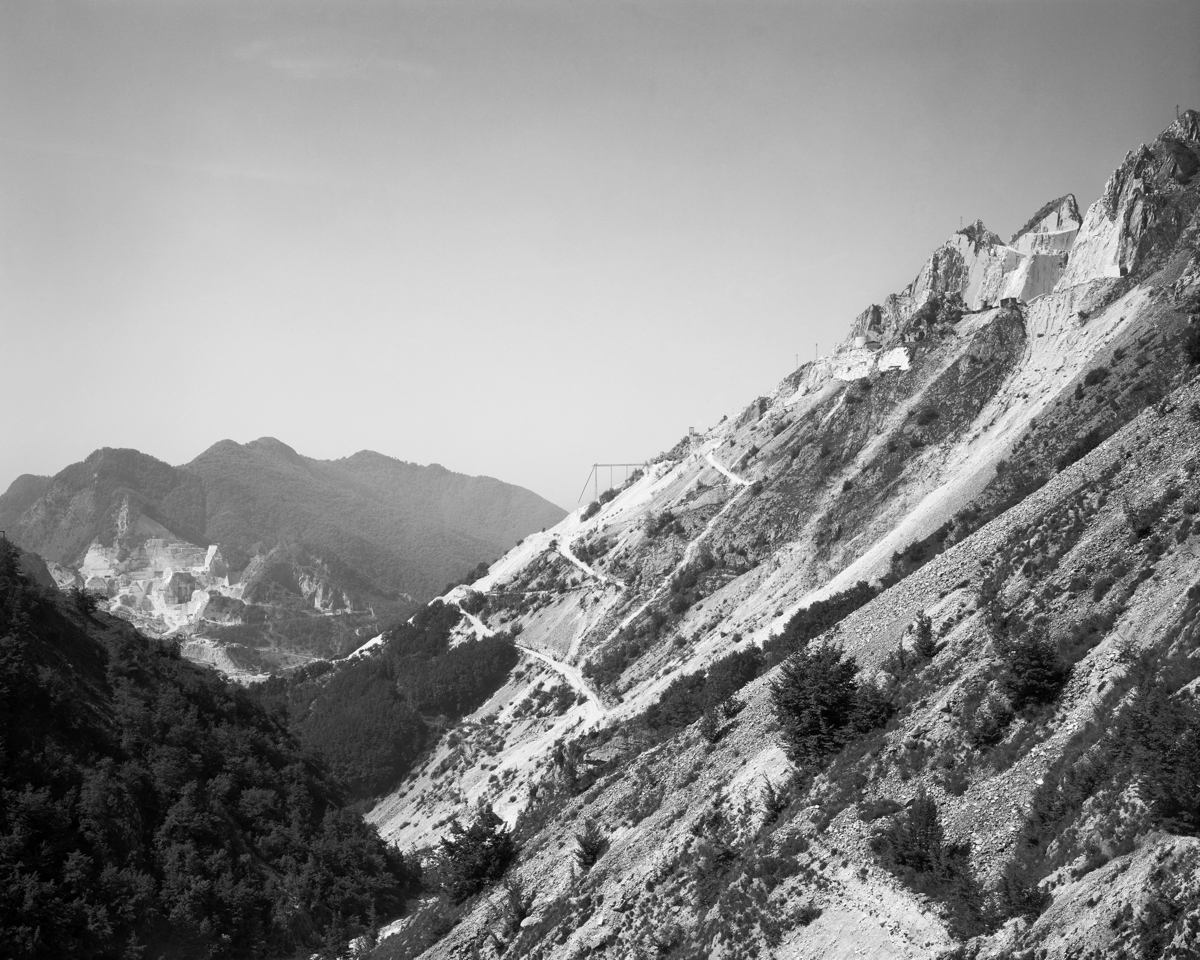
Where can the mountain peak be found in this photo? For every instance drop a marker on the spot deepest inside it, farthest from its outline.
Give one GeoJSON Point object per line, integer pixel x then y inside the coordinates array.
{"type": "Point", "coordinates": [1187, 127]}
{"type": "Point", "coordinates": [1060, 214]}
{"type": "Point", "coordinates": [275, 448]}
{"type": "Point", "coordinates": [979, 235]}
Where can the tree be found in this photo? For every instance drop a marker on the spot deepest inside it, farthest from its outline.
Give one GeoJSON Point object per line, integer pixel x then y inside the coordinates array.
{"type": "Point", "coordinates": [519, 902]}
{"type": "Point", "coordinates": [83, 601]}
{"type": "Point", "coordinates": [872, 708]}
{"type": "Point", "coordinates": [1035, 673]}
{"type": "Point", "coordinates": [710, 725]}
{"type": "Point", "coordinates": [913, 846]}
{"type": "Point", "coordinates": [915, 839]}
{"type": "Point", "coordinates": [590, 845]}
{"type": "Point", "coordinates": [924, 645]}
{"type": "Point", "coordinates": [477, 856]}
{"type": "Point", "coordinates": [814, 700]}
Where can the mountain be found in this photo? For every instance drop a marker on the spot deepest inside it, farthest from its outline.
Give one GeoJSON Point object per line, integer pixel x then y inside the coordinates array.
{"type": "Point", "coordinates": [149, 808]}
{"type": "Point", "coordinates": [263, 556]}
{"type": "Point", "coordinates": [401, 527]}
{"type": "Point", "coordinates": [898, 660]}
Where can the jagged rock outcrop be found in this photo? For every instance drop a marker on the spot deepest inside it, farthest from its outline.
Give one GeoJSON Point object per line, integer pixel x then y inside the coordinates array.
{"type": "Point", "coordinates": [972, 271]}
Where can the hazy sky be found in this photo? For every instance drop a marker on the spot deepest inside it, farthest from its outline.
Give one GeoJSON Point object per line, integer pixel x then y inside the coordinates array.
{"type": "Point", "coordinates": [512, 238]}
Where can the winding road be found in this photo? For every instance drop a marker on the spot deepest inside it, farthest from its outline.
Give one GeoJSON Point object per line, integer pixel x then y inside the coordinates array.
{"type": "Point", "coordinates": [596, 708]}
{"type": "Point", "coordinates": [733, 477]}
{"type": "Point", "coordinates": [689, 552]}
{"type": "Point", "coordinates": [573, 676]}
{"type": "Point", "coordinates": [565, 551]}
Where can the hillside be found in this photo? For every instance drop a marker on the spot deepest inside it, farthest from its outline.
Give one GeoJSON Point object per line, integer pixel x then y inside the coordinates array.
{"type": "Point", "coordinates": [896, 661]}
{"type": "Point", "coordinates": [265, 557]}
{"type": "Point", "coordinates": [149, 808]}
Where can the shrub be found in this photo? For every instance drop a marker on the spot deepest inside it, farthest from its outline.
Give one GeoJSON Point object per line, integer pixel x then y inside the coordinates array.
{"type": "Point", "coordinates": [84, 601]}
{"type": "Point", "coordinates": [710, 725]}
{"type": "Point", "coordinates": [913, 847]}
{"type": "Point", "coordinates": [815, 619]}
{"type": "Point", "coordinates": [1191, 343]}
{"type": "Point", "coordinates": [872, 708]}
{"type": "Point", "coordinates": [659, 523]}
{"type": "Point", "coordinates": [519, 902]}
{"type": "Point", "coordinates": [1080, 449]}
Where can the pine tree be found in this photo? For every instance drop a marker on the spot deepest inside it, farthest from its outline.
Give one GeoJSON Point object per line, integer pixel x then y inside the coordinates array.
{"type": "Point", "coordinates": [590, 845]}
{"type": "Point", "coordinates": [1036, 673]}
{"type": "Point", "coordinates": [924, 645]}
{"type": "Point", "coordinates": [814, 701]}
{"type": "Point", "coordinates": [478, 855]}
{"type": "Point", "coordinates": [710, 725]}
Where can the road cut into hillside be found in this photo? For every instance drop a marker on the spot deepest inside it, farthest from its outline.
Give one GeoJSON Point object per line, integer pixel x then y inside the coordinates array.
{"type": "Point", "coordinates": [565, 551]}
{"type": "Point", "coordinates": [596, 708]}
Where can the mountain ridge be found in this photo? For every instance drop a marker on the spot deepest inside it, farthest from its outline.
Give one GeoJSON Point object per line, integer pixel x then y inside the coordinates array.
{"type": "Point", "coordinates": [247, 540]}
{"type": "Point", "coordinates": [997, 468]}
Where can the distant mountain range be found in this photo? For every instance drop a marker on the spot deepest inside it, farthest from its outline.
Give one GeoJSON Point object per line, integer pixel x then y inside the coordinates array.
{"type": "Point", "coordinates": [254, 542]}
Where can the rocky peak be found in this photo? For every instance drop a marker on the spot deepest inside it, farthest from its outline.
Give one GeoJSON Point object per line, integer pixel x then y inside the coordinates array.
{"type": "Point", "coordinates": [1057, 215]}
{"type": "Point", "coordinates": [979, 236]}
{"type": "Point", "coordinates": [1125, 229]}
{"type": "Point", "coordinates": [1186, 128]}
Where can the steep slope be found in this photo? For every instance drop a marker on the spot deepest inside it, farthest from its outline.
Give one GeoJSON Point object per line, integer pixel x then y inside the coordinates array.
{"type": "Point", "coordinates": [272, 556]}
{"type": "Point", "coordinates": [963, 420]}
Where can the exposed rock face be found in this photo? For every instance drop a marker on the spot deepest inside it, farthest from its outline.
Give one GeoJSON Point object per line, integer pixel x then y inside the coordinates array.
{"type": "Point", "coordinates": [178, 587]}
{"type": "Point", "coordinates": [1011, 441]}
{"type": "Point", "coordinates": [1139, 210]}
{"type": "Point", "coordinates": [975, 270]}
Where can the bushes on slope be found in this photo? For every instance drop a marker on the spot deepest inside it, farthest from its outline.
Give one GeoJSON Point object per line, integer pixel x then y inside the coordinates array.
{"type": "Point", "coordinates": [913, 846]}
{"type": "Point", "coordinates": [811, 621]}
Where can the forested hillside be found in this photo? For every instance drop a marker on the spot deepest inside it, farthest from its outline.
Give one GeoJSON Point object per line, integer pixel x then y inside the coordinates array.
{"type": "Point", "coordinates": [150, 808]}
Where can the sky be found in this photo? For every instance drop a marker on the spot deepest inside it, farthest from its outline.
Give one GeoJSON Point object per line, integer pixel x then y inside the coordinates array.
{"type": "Point", "coordinates": [513, 238]}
